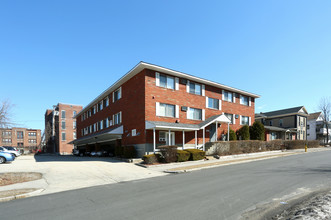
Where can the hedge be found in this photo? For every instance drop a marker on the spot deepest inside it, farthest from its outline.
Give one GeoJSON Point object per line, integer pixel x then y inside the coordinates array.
{"type": "Point", "coordinates": [151, 158]}
{"type": "Point", "coordinates": [196, 154]}
{"type": "Point", "coordinates": [251, 146]}
{"type": "Point", "coordinates": [168, 153]}
{"type": "Point", "coordinates": [183, 156]}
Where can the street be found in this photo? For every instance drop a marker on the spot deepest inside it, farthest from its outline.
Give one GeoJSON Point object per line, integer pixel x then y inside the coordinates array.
{"type": "Point", "coordinates": [217, 193]}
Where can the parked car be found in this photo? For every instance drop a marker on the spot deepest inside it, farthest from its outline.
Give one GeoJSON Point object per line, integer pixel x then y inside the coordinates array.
{"type": "Point", "coordinates": [6, 157]}
{"type": "Point", "coordinates": [12, 151]}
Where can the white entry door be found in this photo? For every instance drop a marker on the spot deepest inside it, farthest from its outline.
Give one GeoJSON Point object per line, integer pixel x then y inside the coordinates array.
{"type": "Point", "coordinates": [172, 138]}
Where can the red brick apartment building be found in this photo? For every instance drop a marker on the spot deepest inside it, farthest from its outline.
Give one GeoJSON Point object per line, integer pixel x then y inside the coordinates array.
{"type": "Point", "coordinates": [152, 105]}
{"type": "Point", "coordinates": [21, 138]}
{"type": "Point", "coordinates": [60, 127]}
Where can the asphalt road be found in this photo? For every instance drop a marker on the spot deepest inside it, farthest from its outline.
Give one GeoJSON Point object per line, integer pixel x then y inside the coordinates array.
{"type": "Point", "coordinates": [217, 193]}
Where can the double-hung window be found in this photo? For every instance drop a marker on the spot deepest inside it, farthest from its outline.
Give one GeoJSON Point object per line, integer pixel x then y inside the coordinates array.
{"type": "Point", "coordinates": [117, 94]}
{"type": "Point", "coordinates": [106, 101]}
{"type": "Point", "coordinates": [100, 106]}
{"type": "Point", "coordinates": [63, 125]}
{"type": "Point", "coordinates": [118, 118]}
{"type": "Point", "coordinates": [230, 117]}
{"type": "Point", "coordinates": [63, 114]}
{"type": "Point", "coordinates": [195, 88]}
{"type": "Point", "coordinates": [213, 103]}
{"type": "Point", "coordinates": [244, 120]}
{"type": "Point", "coordinates": [194, 113]}
{"type": "Point", "coordinates": [167, 81]}
{"type": "Point", "coordinates": [63, 134]}
{"type": "Point", "coordinates": [227, 96]}
{"type": "Point", "coordinates": [244, 100]}
{"type": "Point", "coordinates": [166, 110]}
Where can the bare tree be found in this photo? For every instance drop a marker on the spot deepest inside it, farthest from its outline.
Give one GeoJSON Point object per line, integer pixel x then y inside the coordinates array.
{"type": "Point", "coordinates": [325, 107]}
{"type": "Point", "coordinates": [5, 110]}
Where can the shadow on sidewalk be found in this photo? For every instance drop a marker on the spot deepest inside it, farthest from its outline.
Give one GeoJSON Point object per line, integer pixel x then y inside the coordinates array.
{"type": "Point", "coordinates": [71, 158]}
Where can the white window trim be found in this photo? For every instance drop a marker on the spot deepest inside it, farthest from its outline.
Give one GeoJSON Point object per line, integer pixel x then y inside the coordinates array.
{"type": "Point", "coordinates": [234, 119]}
{"type": "Point", "coordinates": [203, 114]}
{"type": "Point", "coordinates": [188, 86]}
{"type": "Point", "coordinates": [202, 90]}
{"type": "Point", "coordinates": [177, 111]}
{"type": "Point", "coordinates": [157, 79]}
{"type": "Point", "coordinates": [223, 94]}
{"type": "Point", "coordinates": [234, 97]}
{"type": "Point", "coordinates": [176, 83]}
{"type": "Point", "coordinates": [157, 108]}
{"type": "Point", "coordinates": [240, 121]}
{"type": "Point", "coordinates": [219, 104]}
{"type": "Point", "coordinates": [249, 101]}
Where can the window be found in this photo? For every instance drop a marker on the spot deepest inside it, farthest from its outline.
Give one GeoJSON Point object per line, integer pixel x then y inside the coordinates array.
{"type": "Point", "coordinates": [6, 140]}
{"type": "Point", "coordinates": [194, 114]}
{"type": "Point", "coordinates": [227, 96]}
{"type": "Point", "coordinates": [6, 133]}
{"type": "Point", "coordinates": [213, 103]}
{"type": "Point", "coordinates": [106, 101]}
{"type": "Point", "coordinates": [32, 134]}
{"type": "Point", "coordinates": [244, 100]}
{"type": "Point", "coordinates": [63, 125]}
{"type": "Point", "coordinates": [117, 94]}
{"type": "Point", "coordinates": [162, 136]}
{"type": "Point", "coordinates": [270, 123]}
{"type": "Point", "coordinates": [63, 136]}
{"type": "Point", "coordinates": [20, 135]}
{"type": "Point", "coordinates": [74, 135]}
{"type": "Point", "coordinates": [32, 141]}
{"type": "Point", "coordinates": [100, 125]}
{"type": "Point", "coordinates": [94, 127]}
{"type": "Point", "coordinates": [74, 124]}
{"type": "Point", "coordinates": [100, 106]}
{"type": "Point", "coordinates": [63, 114]}
{"type": "Point", "coordinates": [167, 81]}
{"type": "Point", "coordinates": [74, 113]}
{"type": "Point", "coordinates": [230, 117]}
{"type": "Point", "coordinates": [195, 88]}
{"type": "Point", "coordinates": [244, 120]}
{"type": "Point", "coordinates": [308, 126]}
{"type": "Point", "coordinates": [117, 118]}
{"type": "Point", "coordinates": [280, 122]}
{"type": "Point", "coordinates": [89, 113]}
{"type": "Point", "coordinates": [110, 122]}
{"type": "Point", "coordinates": [166, 110]}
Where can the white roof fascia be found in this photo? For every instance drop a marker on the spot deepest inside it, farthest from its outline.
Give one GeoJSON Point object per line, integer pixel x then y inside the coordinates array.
{"type": "Point", "coordinates": [142, 65]}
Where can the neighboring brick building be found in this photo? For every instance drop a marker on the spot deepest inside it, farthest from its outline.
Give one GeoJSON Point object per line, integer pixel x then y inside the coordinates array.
{"type": "Point", "coordinates": [286, 124]}
{"type": "Point", "coordinates": [22, 138]}
{"type": "Point", "coordinates": [60, 128]}
{"type": "Point", "coordinates": [152, 105]}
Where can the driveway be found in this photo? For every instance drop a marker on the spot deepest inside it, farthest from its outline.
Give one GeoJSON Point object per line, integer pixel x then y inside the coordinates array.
{"type": "Point", "coordinates": [61, 173]}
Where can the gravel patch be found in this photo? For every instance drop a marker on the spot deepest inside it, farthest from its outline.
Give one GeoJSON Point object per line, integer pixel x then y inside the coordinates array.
{"type": "Point", "coordinates": [19, 177]}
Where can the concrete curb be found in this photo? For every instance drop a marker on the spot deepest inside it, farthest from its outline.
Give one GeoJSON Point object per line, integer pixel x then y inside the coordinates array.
{"type": "Point", "coordinates": [230, 163]}
{"type": "Point", "coordinates": [21, 196]}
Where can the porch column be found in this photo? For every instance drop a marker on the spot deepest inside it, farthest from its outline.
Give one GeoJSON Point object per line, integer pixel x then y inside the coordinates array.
{"type": "Point", "coordinates": [154, 140]}
{"type": "Point", "coordinates": [183, 139]}
{"type": "Point", "coordinates": [228, 131]}
{"type": "Point", "coordinates": [196, 139]}
{"type": "Point", "coordinates": [169, 136]}
{"type": "Point", "coordinates": [216, 130]}
{"type": "Point", "coordinates": [203, 147]}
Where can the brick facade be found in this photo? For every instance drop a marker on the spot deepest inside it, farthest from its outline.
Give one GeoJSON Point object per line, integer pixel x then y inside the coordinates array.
{"type": "Point", "coordinates": [30, 140]}
{"type": "Point", "coordinates": [139, 95]}
{"type": "Point", "coordinates": [64, 128]}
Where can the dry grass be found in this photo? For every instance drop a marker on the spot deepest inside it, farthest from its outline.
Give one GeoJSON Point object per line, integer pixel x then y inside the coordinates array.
{"type": "Point", "coordinates": [12, 178]}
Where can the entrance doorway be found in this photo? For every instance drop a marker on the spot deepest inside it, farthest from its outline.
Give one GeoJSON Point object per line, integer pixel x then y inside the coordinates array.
{"type": "Point", "coordinates": [172, 138]}
{"type": "Point", "coordinates": [212, 132]}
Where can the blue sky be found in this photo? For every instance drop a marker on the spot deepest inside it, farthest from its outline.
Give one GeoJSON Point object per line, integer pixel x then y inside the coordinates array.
{"type": "Point", "coordinates": [70, 51]}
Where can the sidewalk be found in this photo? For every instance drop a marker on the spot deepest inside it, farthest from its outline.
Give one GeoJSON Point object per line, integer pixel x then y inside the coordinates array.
{"type": "Point", "coordinates": [226, 160]}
